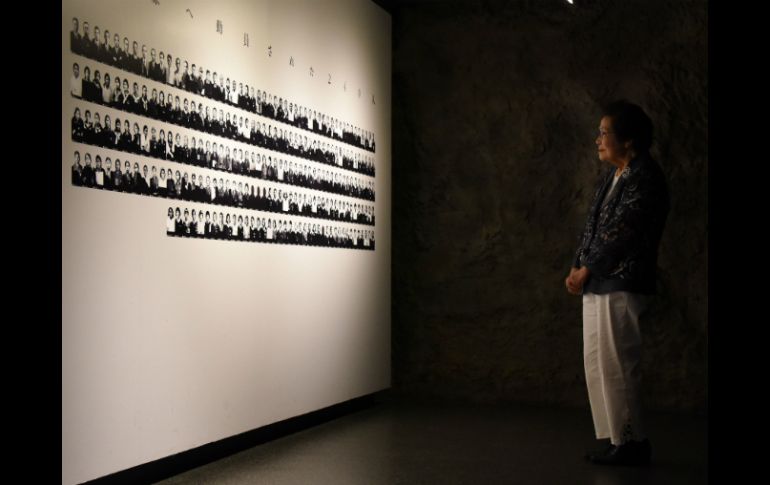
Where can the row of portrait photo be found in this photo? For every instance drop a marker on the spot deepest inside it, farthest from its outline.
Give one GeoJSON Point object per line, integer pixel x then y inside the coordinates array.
{"type": "Point", "coordinates": [122, 176]}
{"type": "Point", "coordinates": [237, 227]}
{"type": "Point", "coordinates": [193, 78]}
{"type": "Point", "coordinates": [148, 141]}
{"type": "Point", "coordinates": [159, 105]}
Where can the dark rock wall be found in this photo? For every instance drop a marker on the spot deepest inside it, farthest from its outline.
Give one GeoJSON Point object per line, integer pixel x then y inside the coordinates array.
{"type": "Point", "coordinates": [496, 109]}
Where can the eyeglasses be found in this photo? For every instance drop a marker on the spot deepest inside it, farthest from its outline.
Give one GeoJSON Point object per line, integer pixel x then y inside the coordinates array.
{"type": "Point", "coordinates": [603, 134]}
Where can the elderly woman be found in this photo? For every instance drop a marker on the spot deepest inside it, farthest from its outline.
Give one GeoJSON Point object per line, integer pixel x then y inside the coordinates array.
{"type": "Point", "coordinates": [614, 270]}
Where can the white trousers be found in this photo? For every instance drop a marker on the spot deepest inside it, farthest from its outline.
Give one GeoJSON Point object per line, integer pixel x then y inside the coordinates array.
{"type": "Point", "coordinates": [612, 357]}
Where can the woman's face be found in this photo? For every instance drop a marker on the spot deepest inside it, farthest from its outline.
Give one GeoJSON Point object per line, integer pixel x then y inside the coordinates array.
{"type": "Point", "coordinates": [610, 149]}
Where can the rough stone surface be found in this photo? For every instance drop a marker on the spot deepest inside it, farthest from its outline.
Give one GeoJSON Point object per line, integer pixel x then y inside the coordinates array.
{"type": "Point", "coordinates": [496, 109]}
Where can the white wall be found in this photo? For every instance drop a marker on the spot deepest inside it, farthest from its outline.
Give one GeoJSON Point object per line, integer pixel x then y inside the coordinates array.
{"type": "Point", "coordinates": [168, 343]}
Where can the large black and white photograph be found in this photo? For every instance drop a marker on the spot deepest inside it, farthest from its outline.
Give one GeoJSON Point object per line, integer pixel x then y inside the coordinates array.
{"type": "Point", "coordinates": [122, 91]}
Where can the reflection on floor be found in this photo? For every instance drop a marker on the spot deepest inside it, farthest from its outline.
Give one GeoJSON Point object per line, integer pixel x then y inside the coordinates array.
{"type": "Point", "coordinates": [405, 441]}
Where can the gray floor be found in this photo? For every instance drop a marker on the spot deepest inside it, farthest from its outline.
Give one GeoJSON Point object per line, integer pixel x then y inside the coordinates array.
{"type": "Point", "coordinates": [410, 442]}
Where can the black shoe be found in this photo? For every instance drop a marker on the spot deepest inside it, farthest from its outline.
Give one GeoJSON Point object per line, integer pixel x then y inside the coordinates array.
{"type": "Point", "coordinates": [632, 453]}
{"type": "Point", "coordinates": [603, 452]}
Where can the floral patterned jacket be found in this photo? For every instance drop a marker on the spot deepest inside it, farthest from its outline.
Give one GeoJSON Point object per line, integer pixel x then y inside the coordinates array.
{"type": "Point", "coordinates": [619, 244]}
